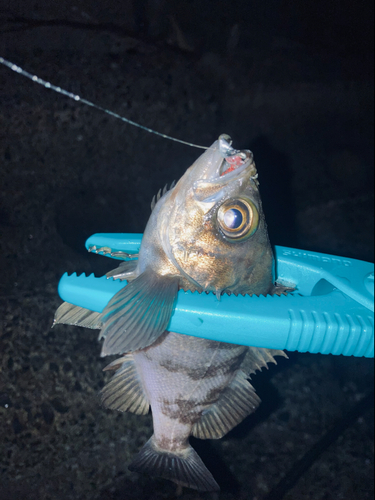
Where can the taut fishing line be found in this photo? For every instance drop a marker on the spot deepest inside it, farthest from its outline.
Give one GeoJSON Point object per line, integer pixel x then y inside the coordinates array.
{"type": "Point", "coordinates": [76, 97]}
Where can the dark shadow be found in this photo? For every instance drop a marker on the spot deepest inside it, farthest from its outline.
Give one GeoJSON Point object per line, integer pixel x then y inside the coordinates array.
{"type": "Point", "coordinates": [276, 192]}
{"type": "Point", "coordinates": [216, 465]}
{"type": "Point", "coordinates": [208, 451]}
{"type": "Point", "coordinates": [302, 465]}
{"type": "Point", "coordinates": [270, 402]}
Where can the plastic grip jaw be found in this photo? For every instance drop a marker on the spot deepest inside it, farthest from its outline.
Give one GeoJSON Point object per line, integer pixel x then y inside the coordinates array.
{"type": "Point", "coordinates": [331, 311]}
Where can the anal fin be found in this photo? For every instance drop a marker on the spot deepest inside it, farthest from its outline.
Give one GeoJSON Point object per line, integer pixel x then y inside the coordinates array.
{"type": "Point", "coordinates": [125, 392]}
{"type": "Point", "coordinates": [139, 313]}
{"type": "Point", "coordinates": [236, 402]}
{"type": "Point", "coordinates": [69, 314]}
{"type": "Point", "coordinates": [258, 358]}
{"type": "Point", "coordinates": [184, 467]}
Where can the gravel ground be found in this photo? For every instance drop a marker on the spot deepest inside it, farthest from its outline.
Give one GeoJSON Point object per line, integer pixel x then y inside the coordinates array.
{"type": "Point", "coordinates": [68, 171]}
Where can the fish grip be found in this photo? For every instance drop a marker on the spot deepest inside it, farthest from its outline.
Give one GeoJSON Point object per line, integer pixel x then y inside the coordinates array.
{"type": "Point", "coordinates": [330, 312]}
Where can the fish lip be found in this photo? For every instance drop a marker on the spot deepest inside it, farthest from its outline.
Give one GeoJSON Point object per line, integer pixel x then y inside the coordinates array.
{"type": "Point", "coordinates": [224, 169]}
{"type": "Point", "coordinates": [230, 159]}
{"type": "Point", "coordinates": [241, 171]}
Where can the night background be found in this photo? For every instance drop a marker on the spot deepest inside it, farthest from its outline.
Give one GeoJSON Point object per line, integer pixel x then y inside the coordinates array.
{"type": "Point", "coordinates": [293, 82]}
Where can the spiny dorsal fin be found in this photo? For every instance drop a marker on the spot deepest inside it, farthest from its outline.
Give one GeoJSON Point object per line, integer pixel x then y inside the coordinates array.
{"type": "Point", "coordinates": [236, 402]}
{"type": "Point", "coordinates": [160, 194]}
{"type": "Point", "coordinates": [125, 391]}
{"type": "Point", "coordinates": [69, 314]}
{"type": "Point", "coordinates": [258, 357]}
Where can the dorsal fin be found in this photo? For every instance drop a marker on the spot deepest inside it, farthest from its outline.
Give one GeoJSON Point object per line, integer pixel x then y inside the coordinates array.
{"type": "Point", "coordinates": [258, 358]}
{"type": "Point", "coordinates": [160, 194]}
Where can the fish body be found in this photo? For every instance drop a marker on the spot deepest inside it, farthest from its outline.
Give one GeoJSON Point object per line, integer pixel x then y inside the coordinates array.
{"type": "Point", "coordinates": [207, 233]}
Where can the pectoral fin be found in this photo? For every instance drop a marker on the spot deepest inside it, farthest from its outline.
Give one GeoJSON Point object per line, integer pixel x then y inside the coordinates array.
{"type": "Point", "coordinates": [139, 313]}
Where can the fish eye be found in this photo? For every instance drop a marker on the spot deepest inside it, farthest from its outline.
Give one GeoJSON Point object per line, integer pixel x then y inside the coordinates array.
{"type": "Point", "coordinates": [238, 218]}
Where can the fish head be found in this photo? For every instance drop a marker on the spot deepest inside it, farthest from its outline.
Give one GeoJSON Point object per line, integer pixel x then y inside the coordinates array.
{"type": "Point", "coordinates": [211, 225]}
{"type": "Point", "coordinates": [208, 233]}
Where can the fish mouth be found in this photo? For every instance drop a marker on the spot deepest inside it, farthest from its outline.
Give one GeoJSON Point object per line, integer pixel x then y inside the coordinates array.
{"type": "Point", "coordinates": [234, 161]}
{"type": "Point", "coordinates": [220, 169]}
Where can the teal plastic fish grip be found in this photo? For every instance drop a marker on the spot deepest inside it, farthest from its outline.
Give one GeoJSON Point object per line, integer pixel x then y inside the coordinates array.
{"type": "Point", "coordinates": [331, 311]}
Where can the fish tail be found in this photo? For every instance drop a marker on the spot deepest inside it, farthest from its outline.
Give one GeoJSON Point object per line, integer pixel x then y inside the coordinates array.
{"type": "Point", "coordinates": [184, 468]}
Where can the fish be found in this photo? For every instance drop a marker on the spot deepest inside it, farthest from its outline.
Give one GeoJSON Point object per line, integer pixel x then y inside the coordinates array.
{"type": "Point", "coordinates": [207, 233]}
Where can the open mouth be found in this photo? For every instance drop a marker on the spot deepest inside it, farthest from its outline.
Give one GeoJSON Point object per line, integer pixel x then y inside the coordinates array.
{"type": "Point", "coordinates": [234, 160]}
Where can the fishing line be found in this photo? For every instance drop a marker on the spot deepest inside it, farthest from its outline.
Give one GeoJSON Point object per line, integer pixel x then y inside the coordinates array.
{"type": "Point", "coordinates": [76, 97]}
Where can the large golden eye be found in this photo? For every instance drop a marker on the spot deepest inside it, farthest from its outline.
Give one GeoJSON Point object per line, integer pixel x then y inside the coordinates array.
{"type": "Point", "coordinates": [238, 219]}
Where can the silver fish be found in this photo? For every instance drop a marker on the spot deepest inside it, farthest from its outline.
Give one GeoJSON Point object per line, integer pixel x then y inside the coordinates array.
{"type": "Point", "coordinates": [207, 233]}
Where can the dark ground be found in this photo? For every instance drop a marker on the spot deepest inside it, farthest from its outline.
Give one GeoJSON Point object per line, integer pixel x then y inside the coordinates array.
{"type": "Point", "coordinates": [296, 87]}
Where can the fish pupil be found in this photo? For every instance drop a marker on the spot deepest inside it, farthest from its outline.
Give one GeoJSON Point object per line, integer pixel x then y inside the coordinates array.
{"type": "Point", "coordinates": [233, 218]}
